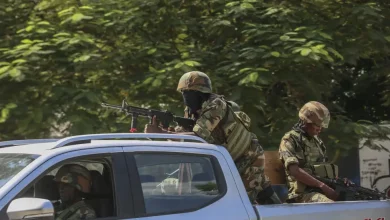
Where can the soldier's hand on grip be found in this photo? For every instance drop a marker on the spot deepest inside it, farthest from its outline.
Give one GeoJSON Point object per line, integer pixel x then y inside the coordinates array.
{"type": "Point", "coordinates": [153, 128]}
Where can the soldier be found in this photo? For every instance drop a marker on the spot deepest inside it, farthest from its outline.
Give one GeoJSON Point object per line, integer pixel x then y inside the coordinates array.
{"type": "Point", "coordinates": [73, 180]}
{"type": "Point", "coordinates": [301, 150]}
{"type": "Point", "coordinates": [218, 123]}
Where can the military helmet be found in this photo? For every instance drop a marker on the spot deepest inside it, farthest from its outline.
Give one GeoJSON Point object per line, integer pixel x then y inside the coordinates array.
{"type": "Point", "coordinates": [76, 176]}
{"type": "Point", "coordinates": [316, 113]}
{"type": "Point", "coordinates": [234, 106]}
{"type": "Point", "coordinates": [195, 80]}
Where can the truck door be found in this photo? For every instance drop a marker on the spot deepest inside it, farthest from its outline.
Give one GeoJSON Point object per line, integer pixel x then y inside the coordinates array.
{"type": "Point", "coordinates": [171, 184]}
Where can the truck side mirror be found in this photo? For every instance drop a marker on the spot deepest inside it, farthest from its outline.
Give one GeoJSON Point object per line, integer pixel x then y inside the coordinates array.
{"type": "Point", "coordinates": [30, 208]}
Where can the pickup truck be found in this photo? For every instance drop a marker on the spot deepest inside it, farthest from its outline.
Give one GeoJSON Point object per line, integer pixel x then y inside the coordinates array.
{"type": "Point", "coordinates": [148, 176]}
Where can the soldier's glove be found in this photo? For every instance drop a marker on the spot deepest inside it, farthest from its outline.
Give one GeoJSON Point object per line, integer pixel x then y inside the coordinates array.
{"type": "Point", "coordinates": [268, 196]}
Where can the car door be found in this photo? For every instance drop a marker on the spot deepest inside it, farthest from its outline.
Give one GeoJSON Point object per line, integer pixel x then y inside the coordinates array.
{"type": "Point", "coordinates": [182, 183]}
{"type": "Point", "coordinates": [121, 202]}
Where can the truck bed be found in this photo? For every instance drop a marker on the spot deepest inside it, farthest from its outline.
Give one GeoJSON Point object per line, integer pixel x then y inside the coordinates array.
{"type": "Point", "coordinates": [364, 210]}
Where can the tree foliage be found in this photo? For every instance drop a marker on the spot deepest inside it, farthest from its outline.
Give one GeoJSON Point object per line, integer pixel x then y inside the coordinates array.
{"type": "Point", "coordinates": [61, 59]}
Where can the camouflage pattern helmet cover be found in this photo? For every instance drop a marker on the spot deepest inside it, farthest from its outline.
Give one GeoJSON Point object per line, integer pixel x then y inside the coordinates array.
{"type": "Point", "coordinates": [316, 113]}
{"type": "Point", "coordinates": [76, 176]}
{"type": "Point", "coordinates": [195, 80]}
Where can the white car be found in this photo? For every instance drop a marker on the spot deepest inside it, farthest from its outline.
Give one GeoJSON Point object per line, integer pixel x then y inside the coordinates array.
{"type": "Point", "coordinates": [148, 176]}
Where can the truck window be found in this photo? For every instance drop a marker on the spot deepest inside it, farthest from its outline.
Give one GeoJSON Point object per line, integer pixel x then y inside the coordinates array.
{"type": "Point", "coordinates": [100, 198]}
{"type": "Point", "coordinates": [173, 183]}
{"type": "Point", "coordinates": [12, 164]}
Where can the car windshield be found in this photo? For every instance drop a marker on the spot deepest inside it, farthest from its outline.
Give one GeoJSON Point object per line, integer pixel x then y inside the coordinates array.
{"type": "Point", "coordinates": [12, 164]}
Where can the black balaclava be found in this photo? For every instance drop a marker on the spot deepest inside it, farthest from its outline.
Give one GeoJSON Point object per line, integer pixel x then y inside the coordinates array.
{"type": "Point", "coordinates": [193, 100]}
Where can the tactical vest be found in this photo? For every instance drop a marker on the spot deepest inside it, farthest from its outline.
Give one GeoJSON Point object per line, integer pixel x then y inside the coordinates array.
{"type": "Point", "coordinates": [233, 132]}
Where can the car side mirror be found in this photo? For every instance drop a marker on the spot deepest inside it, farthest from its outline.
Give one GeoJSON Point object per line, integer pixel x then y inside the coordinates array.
{"type": "Point", "coordinates": [30, 208]}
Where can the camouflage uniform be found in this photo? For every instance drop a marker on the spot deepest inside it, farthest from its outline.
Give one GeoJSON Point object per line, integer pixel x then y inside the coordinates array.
{"type": "Point", "coordinates": [215, 123]}
{"type": "Point", "coordinates": [80, 178]}
{"type": "Point", "coordinates": [78, 211]}
{"type": "Point", "coordinates": [296, 147]}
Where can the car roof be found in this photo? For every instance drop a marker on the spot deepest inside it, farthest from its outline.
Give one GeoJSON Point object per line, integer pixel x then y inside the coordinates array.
{"type": "Point", "coordinates": [94, 141]}
{"type": "Point", "coordinates": [39, 148]}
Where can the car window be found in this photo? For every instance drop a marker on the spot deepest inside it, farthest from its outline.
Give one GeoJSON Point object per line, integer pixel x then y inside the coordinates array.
{"type": "Point", "coordinates": [12, 164]}
{"type": "Point", "coordinates": [173, 183]}
{"type": "Point", "coordinates": [99, 195]}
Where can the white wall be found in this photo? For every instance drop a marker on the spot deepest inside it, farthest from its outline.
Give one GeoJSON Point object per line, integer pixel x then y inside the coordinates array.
{"type": "Point", "coordinates": [374, 167]}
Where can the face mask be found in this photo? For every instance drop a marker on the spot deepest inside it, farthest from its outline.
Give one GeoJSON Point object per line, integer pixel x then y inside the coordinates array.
{"type": "Point", "coordinates": [193, 99]}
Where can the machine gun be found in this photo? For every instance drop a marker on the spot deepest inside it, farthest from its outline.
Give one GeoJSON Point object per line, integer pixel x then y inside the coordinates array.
{"type": "Point", "coordinates": [164, 117]}
{"type": "Point", "coordinates": [351, 192]}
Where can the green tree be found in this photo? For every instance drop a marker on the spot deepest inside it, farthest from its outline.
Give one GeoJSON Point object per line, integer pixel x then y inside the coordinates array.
{"type": "Point", "coordinates": [60, 59]}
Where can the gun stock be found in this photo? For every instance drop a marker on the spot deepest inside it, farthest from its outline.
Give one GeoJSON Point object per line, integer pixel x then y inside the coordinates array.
{"type": "Point", "coordinates": [164, 117]}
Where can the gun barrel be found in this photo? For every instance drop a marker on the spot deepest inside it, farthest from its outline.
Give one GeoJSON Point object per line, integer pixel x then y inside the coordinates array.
{"type": "Point", "coordinates": [164, 117]}
{"type": "Point", "coordinates": [129, 109]}
{"type": "Point", "coordinates": [111, 106]}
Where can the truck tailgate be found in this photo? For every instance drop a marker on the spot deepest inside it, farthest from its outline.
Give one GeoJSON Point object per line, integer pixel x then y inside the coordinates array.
{"type": "Point", "coordinates": [356, 210]}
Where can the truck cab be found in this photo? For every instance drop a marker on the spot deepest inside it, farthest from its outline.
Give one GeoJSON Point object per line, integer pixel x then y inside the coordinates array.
{"type": "Point", "coordinates": [146, 176]}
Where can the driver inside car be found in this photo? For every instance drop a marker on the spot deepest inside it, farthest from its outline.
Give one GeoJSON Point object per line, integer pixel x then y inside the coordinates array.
{"type": "Point", "coordinates": [73, 180]}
